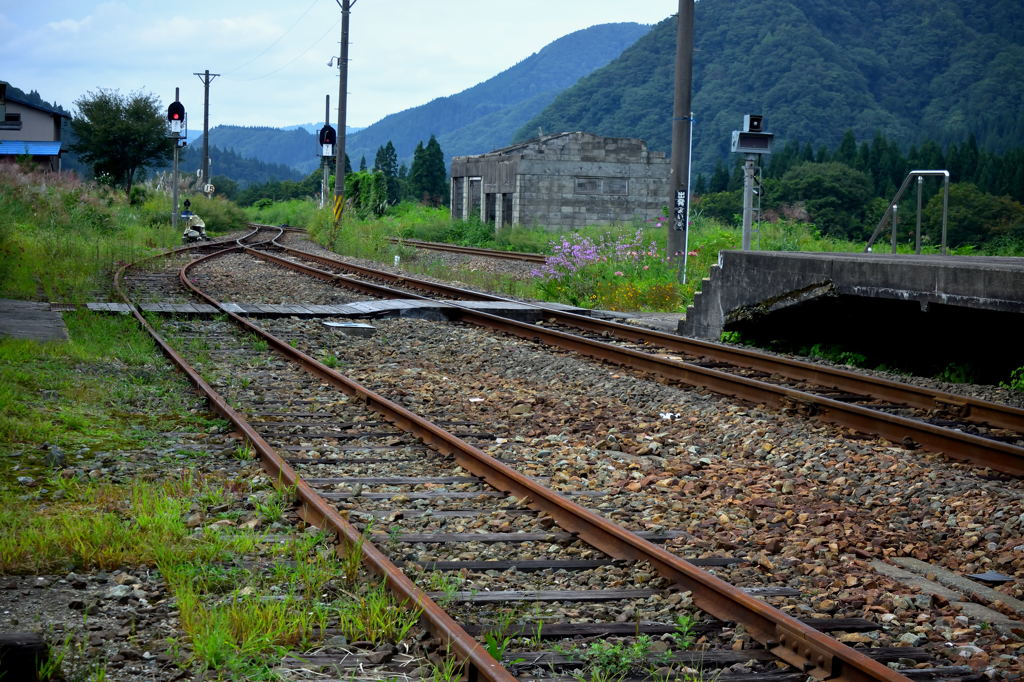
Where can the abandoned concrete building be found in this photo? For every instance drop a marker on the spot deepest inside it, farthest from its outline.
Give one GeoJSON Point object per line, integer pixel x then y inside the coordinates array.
{"type": "Point", "coordinates": [561, 181]}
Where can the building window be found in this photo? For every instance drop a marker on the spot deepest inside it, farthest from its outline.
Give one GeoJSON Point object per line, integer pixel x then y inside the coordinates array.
{"type": "Point", "coordinates": [616, 186]}
{"type": "Point", "coordinates": [11, 122]}
{"type": "Point", "coordinates": [588, 185]}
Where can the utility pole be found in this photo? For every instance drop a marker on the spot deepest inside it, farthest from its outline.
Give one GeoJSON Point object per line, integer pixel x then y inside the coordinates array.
{"type": "Point", "coordinates": [679, 179]}
{"type": "Point", "coordinates": [206, 77]}
{"type": "Point", "coordinates": [339, 163]}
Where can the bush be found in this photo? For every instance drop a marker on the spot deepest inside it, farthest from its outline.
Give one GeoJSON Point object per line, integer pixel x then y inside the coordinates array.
{"type": "Point", "coordinates": [833, 194]}
{"type": "Point", "coordinates": [298, 212]}
{"type": "Point", "coordinates": [974, 216]}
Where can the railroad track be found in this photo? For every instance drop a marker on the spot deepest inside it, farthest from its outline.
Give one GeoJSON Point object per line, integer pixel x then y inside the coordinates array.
{"type": "Point", "coordinates": [984, 433]}
{"type": "Point", "coordinates": [411, 492]}
{"type": "Point", "coordinates": [470, 250]}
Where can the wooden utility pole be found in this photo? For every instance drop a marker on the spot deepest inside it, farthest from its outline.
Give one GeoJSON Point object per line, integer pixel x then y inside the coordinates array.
{"type": "Point", "coordinates": [339, 163]}
{"type": "Point", "coordinates": [206, 77]}
{"type": "Point", "coordinates": [679, 179]}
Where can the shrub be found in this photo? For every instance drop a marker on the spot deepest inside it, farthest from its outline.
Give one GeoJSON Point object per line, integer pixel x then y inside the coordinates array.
{"type": "Point", "coordinates": [834, 195]}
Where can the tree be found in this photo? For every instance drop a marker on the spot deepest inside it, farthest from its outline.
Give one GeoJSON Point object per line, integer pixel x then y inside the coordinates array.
{"type": "Point", "coordinates": [387, 163]}
{"type": "Point", "coordinates": [428, 177]}
{"type": "Point", "coordinates": [974, 216]}
{"type": "Point", "coordinates": [120, 136]}
{"type": "Point", "coordinates": [834, 195]}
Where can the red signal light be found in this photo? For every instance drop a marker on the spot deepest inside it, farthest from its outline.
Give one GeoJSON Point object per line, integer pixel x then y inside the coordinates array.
{"type": "Point", "coordinates": [176, 112]}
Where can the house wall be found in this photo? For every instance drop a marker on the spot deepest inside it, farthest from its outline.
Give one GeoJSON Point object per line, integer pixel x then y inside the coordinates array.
{"type": "Point", "coordinates": [36, 126]}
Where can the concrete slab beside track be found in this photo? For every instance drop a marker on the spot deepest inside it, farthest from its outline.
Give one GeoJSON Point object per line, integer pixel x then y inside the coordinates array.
{"type": "Point", "coordinates": [31, 320]}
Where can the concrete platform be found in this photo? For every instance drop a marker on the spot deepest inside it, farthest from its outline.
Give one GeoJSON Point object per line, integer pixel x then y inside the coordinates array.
{"type": "Point", "coordinates": [31, 320]}
{"type": "Point", "coordinates": [750, 284]}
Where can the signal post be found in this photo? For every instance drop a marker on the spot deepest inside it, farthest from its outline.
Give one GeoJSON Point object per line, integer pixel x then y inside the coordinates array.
{"type": "Point", "coordinates": [328, 138]}
{"type": "Point", "coordinates": [176, 117]}
{"type": "Point", "coordinates": [752, 141]}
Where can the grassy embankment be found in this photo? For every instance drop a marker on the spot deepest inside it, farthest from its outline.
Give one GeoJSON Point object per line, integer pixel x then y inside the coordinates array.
{"type": "Point", "coordinates": [62, 239]}
{"type": "Point", "coordinates": [107, 395]}
{"type": "Point", "coordinates": [622, 267]}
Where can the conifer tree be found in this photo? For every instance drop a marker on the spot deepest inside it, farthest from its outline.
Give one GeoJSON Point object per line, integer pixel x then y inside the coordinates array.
{"type": "Point", "coordinates": [428, 178]}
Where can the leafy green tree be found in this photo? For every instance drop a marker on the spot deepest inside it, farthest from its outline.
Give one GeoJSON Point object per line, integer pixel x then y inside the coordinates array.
{"type": "Point", "coordinates": [974, 216]}
{"type": "Point", "coordinates": [120, 136]}
{"type": "Point", "coordinates": [387, 160]}
{"type": "Point", "coordinates": [846, 152]}
{"type": "Point", "coordinates": [226, 187]}
{"type": "Point", "coordinates": [428, 177]}
{"type": "Point", "coordinates": [368, 192]}
{"type": "Point", "coordinates": [834, 195]}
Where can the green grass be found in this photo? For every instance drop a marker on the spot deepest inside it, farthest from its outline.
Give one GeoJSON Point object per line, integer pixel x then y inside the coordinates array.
{"type": "Point", "coordinates": [80, 393]}
{"type": "Point", "coordinates": [62, 239]}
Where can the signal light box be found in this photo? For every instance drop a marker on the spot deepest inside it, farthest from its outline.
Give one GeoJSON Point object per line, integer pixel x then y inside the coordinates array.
{"type": "Point", "coordinates": [176, 115]}
{"type": "Point", "coordinates": [752, 139]}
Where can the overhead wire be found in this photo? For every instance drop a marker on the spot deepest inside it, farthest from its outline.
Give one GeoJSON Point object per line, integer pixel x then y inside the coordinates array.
{"type": "Point", "coordinates": [275, 42]}
{"type": "Point", "coordinates": [296, 57]}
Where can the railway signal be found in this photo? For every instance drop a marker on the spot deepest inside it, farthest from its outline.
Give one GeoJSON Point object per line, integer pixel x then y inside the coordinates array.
{"type": "Point", "coordinates": [328, 139]}
{"type": "Point", "coordinates": [176, 117]}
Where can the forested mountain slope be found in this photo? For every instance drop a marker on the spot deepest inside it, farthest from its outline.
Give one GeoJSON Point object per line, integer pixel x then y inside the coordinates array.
{"type": "Point", "coordinates": [913, 70]}
{"type": "Point", "coordinates": [296, 148]}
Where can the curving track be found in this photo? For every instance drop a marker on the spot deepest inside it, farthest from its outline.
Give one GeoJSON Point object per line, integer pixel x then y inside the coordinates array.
{"type": "Point", "coordinates": [353, 439]}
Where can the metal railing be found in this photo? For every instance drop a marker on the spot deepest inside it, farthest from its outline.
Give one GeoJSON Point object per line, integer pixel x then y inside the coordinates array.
{"type": "Point", "coordinates": [893, 209]}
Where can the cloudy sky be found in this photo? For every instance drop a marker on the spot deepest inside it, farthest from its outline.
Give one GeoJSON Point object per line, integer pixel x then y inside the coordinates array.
{"type": "Point", "coordinates": [272, 56]}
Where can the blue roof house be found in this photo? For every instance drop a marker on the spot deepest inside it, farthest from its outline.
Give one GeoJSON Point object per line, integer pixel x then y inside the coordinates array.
{"type": "Point", "coordinates": [29, 130]}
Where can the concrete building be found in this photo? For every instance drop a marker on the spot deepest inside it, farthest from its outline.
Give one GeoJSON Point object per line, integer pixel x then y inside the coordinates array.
{"type": "Point", "coordinates": [559, 181]}
{"type": "Point", "coordinates": [29, 130]}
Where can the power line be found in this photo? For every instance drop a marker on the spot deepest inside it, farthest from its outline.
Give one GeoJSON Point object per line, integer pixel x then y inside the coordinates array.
{"type": "Point", "coordinates": [295, 58]}
{"type": "Point", "coordinates": [268, 47]}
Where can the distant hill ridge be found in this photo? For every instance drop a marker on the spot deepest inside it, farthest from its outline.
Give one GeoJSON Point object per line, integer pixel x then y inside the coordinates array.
{"type": "Point", "coordinates": [486, 115]}
{"type": "Point", "coordinates": [473, 121]}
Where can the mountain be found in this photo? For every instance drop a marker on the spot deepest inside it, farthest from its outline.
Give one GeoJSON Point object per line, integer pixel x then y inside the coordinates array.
{"type": "Point", "coordinates": [485, 116]}
{"type": "Point", "coordinates": [315, 127]}
{"type": "Point", "coordinates": [296, 148]}
{"type": "Point", "coordinates": [244, 171]}
{"type": "Point", "coordinates": [913, 70]}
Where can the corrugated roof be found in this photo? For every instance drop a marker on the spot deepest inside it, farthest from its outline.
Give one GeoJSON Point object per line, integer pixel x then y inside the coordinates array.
{"type": "Point", "coordinates": [19, 147]}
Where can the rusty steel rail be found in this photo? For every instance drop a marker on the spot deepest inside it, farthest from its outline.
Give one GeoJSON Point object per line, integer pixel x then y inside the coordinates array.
{"type": "Point", "coordinates": [955, 444]}
{"type": "Point", "coordinates": [794, 642]}
{"type": "Point", "coordinates": [967, 408]}
{"type": "Point", "coordinates": [314, 508]}
{"type": "Point", "coordinates": [470, 250]}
